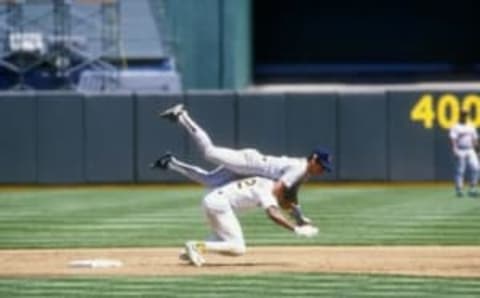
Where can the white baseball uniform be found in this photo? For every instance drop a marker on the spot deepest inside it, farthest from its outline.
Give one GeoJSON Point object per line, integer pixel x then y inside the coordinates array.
{"type": "Point", "coordinates": [464, 138]}
{"type": "Point", "coordinates": [248, 162]}
{"type": "Point", "coordinates": [211, 179]}
{"type": "Point", "coordinates": [222, 204]}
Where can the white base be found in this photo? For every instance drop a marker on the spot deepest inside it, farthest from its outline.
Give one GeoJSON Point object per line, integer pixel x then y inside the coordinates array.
{"type": "Point", "coordinates": [96, 263]}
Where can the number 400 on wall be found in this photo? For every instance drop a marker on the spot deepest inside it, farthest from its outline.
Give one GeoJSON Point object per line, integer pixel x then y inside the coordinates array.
{"type": "Point", "coordinates": [446, 110]}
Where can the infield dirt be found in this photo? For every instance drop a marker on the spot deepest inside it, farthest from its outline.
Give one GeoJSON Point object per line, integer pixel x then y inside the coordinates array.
{"type": "Point", "coordinates": [447, 261]}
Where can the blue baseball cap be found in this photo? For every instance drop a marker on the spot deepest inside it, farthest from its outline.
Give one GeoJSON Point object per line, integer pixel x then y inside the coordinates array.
{"type": "Point", "coordinates": [323, 157]}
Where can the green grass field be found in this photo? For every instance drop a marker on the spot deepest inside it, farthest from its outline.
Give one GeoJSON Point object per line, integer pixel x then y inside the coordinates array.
{"type": "Point", "coordinates": [56, 217]}
{"type": "Point", "coordinates": [272, 285]}
{"type": "Point", "coordinates": [156, 216]}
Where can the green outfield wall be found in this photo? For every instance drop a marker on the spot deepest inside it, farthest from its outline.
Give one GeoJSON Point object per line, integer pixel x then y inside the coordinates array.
{"type": "Point", "coordinates": [211, 40]}
{"type": "Point", "coordinates": [375, 136]}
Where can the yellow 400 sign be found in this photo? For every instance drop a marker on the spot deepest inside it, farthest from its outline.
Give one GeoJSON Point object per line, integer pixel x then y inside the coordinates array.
{"type": "Point", "coordinates": [446, 111]}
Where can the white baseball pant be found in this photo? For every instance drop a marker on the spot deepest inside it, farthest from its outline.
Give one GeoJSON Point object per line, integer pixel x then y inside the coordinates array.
{"type": "Point", "coordinates": [464, 158]}
{"type": "Point", "coordinates": [224, 224]}
{"type": "Point", "coordinates": [245, 161]}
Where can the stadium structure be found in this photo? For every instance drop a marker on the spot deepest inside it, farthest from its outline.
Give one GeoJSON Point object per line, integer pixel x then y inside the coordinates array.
{"type": "Point", "coordinates": [76, 44]}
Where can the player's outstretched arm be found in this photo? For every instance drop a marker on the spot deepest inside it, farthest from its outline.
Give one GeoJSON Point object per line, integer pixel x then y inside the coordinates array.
{"type": "Point", "coordinates": [276, 215]}
{"type": "Point", "coordinates": [304, 230]}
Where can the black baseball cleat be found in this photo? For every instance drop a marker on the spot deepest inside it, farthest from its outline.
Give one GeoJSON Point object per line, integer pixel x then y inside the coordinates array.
{"type": "Point", "coordinates": [172, 113]}
{"type": "Point", "coordinates": [162, 162]}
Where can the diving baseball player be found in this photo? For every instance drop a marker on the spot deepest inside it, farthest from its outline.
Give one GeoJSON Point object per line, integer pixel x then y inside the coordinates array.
{"type": "Point", "coordinates": [288, 172]}
{"type": "Point", "coordinates": [464, 140]}
{"type": "Point", "coordinates": [217, 178]}
{"type": "Point", "coordinates": [221, 206]}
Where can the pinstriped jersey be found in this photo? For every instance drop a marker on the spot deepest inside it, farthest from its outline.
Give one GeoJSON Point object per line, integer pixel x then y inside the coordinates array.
{"type": "Point", "coordinates": [464, 136]}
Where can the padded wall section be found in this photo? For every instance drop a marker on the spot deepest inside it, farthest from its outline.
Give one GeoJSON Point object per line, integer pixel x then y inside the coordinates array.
{"type": "Point", "coordinates": [262, 123]}
{"type": "Point", "coordinates": [18, 139]}
{"type": "Point", "coordinates": [155, 135]}
{"type": "Point", "coordinates": [444, 160]}
{"type": "Point", "coordinates": [109, 138]}
{"type": "Point", "coordinates": [60, 131]}
{"type": "Point", "coordinates": [312, 121]}
{"type": "Point", "coordinates": [411, 145]}
{"type": "Point", "coordinates": [362, 132]}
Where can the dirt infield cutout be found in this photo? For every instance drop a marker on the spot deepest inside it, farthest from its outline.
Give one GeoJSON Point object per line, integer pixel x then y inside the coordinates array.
{"type": "Point", "coordinates": [447, 261]}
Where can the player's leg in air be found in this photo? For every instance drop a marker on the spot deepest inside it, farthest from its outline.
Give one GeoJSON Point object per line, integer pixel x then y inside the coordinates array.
{"type": "Point", "coordinates": [217, 177]}
{"type": "Point", "coordinates": [225, 226]}
{"type": "Point", "coordinates": [239, 161]}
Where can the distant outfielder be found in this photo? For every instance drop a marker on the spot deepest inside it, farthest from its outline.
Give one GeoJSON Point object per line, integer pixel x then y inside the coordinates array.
{"type": "Point", "coordinates": [464, 140]}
